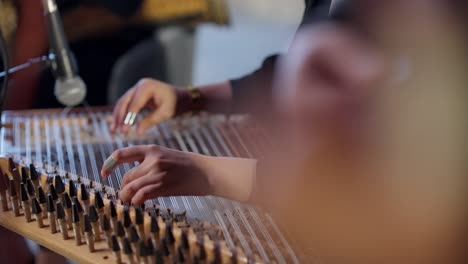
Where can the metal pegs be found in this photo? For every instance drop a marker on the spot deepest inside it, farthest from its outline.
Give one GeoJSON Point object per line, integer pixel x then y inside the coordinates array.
{"type": "Point", "coordinates": [120, 231]}
{"type": "Point", "coordinates": [99, 204]}
{"type": "Point", "coordinates": [116, 249]}
{"type": "Point", "coordinates": [128, 251]}
{"type": "Point", "coordinates": [33, 173]}
{"type": "Point", "coordinates": [30, 187]}
{"type": "Point", "coordinates": [184, 241]}
{"type": "Point", "coordinates": [84, 195]}
{"type": "Point", "coordinates": [105, 225]}
{"type": "Point", "coordinates": [88, 230]}
{"type": "Point", "coordinates": [80, 212]}
{"type": "Point", "coordinates": [134, 239]}
{"type": "Point", "coordinates": [72, 189]}
{"type": "Point", "coordinates": [67, 204]}
{"type": "Point", "coordinates": [181, 257]}
{"type": "Point", "coordinates": [169, 236]}
{"type": "Point", "coordinates": [62, 221]}
{"type": "Point", "coordinates": [53, 192]}
{"type": "Point", "coordinates": [154, 229]}
{"type": "Point", "coordinates": [185, 245]}
{"type": "Point", "coordinates": [165, 250]}
{"type": "Point", "coordinates": [16, 177]}
{"type": "Point", "coordinates": [217, 252]}
{"type": "Point", "coordinates": [59, 185]}
{"type": "Point", "coordinates": [181, 217]}
{"type": "Point", "coordinates": [11, 164]}
{"type": "Point", "coordinates": [94, 219]}
{"type": "Point", "coordinates": [24, 175]}
{"type": "Point", "coordinates": [113, 215]}
{"type": "Point", "coordinates": [51, 214]}
{"type": "Point", "coordinates": [37, 212]}
{"type": "Point", "coordinates": [127, 221]}
{"type": "Point", "coordinates": [150, 251]}
{"type": "Point", "coordinates": [142, 252]}
{"type": "Point", "coordinates": [34, 177]}
{"type": "Point", "coordinates": [25, 202]}
{"type": "Point", "coordinates": [42, 200]}
{"type": "Point", "coordinates": [3, 191]}
{"type": "Point", "coordinates": [78, 205]}
{"type": "Point", "coordinates": [158, 257]}
{"type": "Point", "coordinates": [202, 251]}
{"type": "Point", "coordinates": [140, 221]}
{"type": "Point", "coordinates": [76, 224]}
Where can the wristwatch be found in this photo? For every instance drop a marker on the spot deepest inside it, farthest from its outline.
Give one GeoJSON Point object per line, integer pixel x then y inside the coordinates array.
{"type": "Point", "coordinates": [196, 100]}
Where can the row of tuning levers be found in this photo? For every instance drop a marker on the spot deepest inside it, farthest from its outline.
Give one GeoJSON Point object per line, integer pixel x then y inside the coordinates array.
{"type": "Point", "coordinates": [72, 213]}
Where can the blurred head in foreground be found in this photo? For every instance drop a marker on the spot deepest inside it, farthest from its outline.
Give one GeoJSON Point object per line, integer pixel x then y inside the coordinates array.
{"type": "Point", "coordinates": [371, 167]}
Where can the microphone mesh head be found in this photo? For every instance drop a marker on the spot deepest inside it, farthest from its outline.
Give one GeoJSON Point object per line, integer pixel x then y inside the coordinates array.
{"type": "Point", "coordinates": [70, 92]}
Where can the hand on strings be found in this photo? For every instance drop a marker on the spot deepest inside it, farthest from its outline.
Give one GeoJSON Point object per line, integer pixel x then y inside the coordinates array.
{"type": "Point", "coordinates": [161, 98]}
{"type": "Point", "coordinates": [161, 172]}
{"type": "Point", "coordinates": [166, 172]}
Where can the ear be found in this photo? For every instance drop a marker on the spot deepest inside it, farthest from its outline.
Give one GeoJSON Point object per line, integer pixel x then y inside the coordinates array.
{"type": "Point", "coordinates": [327, 78]}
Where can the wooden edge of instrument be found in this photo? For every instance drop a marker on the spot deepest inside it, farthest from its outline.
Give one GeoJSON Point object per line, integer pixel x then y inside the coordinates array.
{"type": "Point", "coordinates": [103, 254]}
{"type": "Point", "coordinates": [54, 242]}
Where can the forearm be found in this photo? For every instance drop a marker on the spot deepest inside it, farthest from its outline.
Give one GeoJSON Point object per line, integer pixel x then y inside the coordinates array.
{"type": "Point", "coordinates": [232, 178]}
{"type": "Point", "coordinates": [217, 97]}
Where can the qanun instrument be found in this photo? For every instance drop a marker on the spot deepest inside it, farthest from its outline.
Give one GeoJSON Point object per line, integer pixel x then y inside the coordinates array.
{"type": "Point", "coordinates": [51, 192]}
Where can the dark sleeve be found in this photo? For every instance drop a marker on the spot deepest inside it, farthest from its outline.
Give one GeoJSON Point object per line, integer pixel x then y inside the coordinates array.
{"type": "Point", "coordinates": [258, 84]}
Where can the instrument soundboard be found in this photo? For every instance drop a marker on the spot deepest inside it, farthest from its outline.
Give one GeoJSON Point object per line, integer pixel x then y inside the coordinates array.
{"type": "Point", "coordinates": [57, 155]}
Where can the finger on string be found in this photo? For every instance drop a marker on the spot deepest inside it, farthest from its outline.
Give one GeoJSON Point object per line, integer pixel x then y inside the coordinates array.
{"type": "Point", "coordinates": [128, 192]}
{"type": "Point", "coordinates": [125, 155]}
{"type": "Point", "coordinates": [162, 113]}
{"type": "Point", "coordinates": [139, 100]}
{"type": "Point", "coordinates": [136, 173]}
{"type": "Point", "coordinates": [165, 189]}
{"type": "Point", "coordinates": [153, 119]}
{"type": "Point", "coordinates": [146, 193]}
{"type": "Point", "coordinates": [120, 110]}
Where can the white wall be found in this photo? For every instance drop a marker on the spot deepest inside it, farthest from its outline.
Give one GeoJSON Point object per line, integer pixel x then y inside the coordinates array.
{"type": "Point", "coordinates": [259, 28]}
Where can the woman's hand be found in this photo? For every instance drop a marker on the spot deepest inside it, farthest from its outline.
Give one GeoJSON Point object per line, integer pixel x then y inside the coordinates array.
{"type": "Point", "coordinates": [162, 98]}
{"type": "Point", "coordinates": [166, 172]}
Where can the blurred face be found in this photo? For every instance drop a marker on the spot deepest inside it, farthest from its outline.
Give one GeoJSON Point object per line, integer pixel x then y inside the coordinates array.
{"type": "Point", "coordinates": [371, 168]}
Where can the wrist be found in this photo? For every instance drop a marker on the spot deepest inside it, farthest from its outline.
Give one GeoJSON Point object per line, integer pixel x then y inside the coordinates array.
{"type": "Point", "coordinates": [232, 178]}
{"type": "Point", "coordinates": [189, 100]}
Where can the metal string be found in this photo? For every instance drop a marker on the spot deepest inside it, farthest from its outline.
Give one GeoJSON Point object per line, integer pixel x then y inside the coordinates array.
{"type": "Point", "coordinates": [209, 140]}
{"type": "Point", "coordinates": [257, 143]}
{"type": "Point", "coordinates": [105, 149]}
{"type": "Point", "coordinates": [217, 202]}
{"type": "Point", "coordinates": [197, 201]}
{"type": "Point", "coordinates": [236, 205]}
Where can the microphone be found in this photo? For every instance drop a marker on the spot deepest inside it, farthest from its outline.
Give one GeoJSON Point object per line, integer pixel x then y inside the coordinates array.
{"type": "Point", "coordinates": [70, 90]}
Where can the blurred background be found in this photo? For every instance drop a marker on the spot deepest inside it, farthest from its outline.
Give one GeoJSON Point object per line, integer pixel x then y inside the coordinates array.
{"type": "Point", "coordinates": [258, 28]}
{"type": "Point", "coordinates": [116, 43]}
